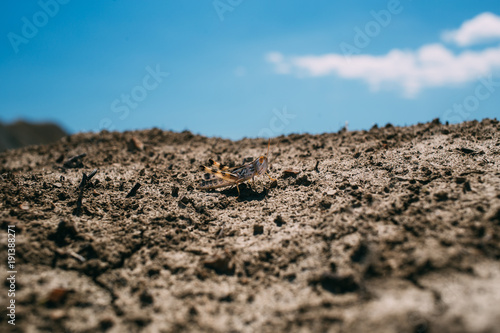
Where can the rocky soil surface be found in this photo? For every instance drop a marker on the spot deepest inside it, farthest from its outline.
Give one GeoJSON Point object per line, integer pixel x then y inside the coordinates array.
{"type": "Point", "coordinates": [395, 229]}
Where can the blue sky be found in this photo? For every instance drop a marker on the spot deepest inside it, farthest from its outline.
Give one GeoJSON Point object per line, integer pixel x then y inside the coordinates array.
{"type": "Point", "coordinates": [241, 68]}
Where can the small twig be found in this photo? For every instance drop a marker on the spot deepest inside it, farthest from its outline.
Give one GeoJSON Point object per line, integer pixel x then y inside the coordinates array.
{"type": "Point", "coordinates": [80, 195]}
{"type": "Point", "coordinates": [316, 166]}
{"type": "Point", "coordinates": [86, 178]}
{"type": "Point", "coordinates": [76, 256]}
{"type": "Point", "coordinates": [82, 185]}
{"type": "Point", "coordinates": [75, 161]}
{"type": "Point", "coordinates": [470, 151]}
{"type": "Point", "coordinates": [92, 174]}
{"type": "Point", "coordinates": [133, 191]}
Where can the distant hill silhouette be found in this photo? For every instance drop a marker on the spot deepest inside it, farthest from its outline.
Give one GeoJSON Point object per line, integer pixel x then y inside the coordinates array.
{"type": "Point", "coordinates": [22, 133]}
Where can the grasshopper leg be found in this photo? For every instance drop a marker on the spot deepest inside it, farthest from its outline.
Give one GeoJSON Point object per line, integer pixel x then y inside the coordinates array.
{"type": "Point", "coordinates": [270, 177]}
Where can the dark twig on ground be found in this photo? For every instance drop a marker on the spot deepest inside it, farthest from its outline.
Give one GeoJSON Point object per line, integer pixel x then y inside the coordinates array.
{"type": "Point", "coordinates": [316, 166]}
{"type": "Point", "coordinates": [74, 162]}
{"type": "Point", "coordinates": [133, 191]}
{"type": "Point", "coordinates": [83, 183]}
{"type": "Point", "coordinates": [470, 151]}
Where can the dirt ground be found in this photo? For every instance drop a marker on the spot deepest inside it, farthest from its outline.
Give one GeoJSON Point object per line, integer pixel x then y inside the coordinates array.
{"type": "Point", "coordinates": [395, 229]}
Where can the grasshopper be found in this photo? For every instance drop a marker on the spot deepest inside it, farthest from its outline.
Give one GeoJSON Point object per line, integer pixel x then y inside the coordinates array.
{"type": "Point", "coordinates": [219, 175]}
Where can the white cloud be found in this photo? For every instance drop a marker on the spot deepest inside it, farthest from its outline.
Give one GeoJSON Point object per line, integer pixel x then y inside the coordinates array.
{"type": "Point", "coordinates": [483, 27]}
{"type": "Point", "coordinates": [431, 65]}
{"type": "Point", "coordinates": [278, 60]}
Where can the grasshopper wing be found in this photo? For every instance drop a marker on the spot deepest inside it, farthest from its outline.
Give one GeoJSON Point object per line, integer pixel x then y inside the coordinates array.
{"type": "Point", "coordinates": [217, 165]}
{"type": "Point", "coordinates": [214, 183]}
{"type": "Point", "coordinates": [224, 175]}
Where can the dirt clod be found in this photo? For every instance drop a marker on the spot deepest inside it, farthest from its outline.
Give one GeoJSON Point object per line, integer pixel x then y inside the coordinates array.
{"type": "Point", "coordinates": [75, 161]}
{"type": "Point", "coordinates": [258, 229]}
{"type": "Point", "coordinates": [175, 191]}
{"type": "Point", "coordinates": [279, 221]}
{"type": "Point", "coordinates": [64, 233]}
{"type": "Point", "coordinates": [57, 297]}
{"type": "Point", "coordinates": [134, 144]}
{"type": "Point", "coordinates": [337, 284]}
{"type": "Point", "coordinates": [221, 264]}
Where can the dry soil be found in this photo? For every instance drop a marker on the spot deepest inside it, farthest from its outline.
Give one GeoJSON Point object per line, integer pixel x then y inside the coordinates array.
{"type": "Point", "coordinates": [395, 229]}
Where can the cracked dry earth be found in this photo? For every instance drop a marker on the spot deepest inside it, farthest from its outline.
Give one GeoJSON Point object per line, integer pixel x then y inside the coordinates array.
{"type": "Point", "coordinates": [395, 229]}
